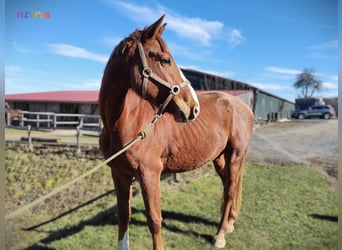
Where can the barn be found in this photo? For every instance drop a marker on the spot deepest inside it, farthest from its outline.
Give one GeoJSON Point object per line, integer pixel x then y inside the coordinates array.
{"type": "Point", "coordinates": [264, 105]}
{"type": "Point", "coordinates": [71, 102]}
{"type": "Point", "coordinates": [56, 108]}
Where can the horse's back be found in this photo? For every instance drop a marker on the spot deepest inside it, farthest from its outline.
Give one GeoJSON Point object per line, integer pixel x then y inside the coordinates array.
{"type": "Point", "coordinates": [222, 100]}
{"type": "Point", "coordinates": [231, 109]}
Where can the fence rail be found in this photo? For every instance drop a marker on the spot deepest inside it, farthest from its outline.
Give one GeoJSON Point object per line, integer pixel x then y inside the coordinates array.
{"type": "Point", "coordinates": [55, 120]}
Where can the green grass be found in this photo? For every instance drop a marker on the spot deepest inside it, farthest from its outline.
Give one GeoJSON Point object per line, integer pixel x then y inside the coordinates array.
{"type": "Point", "coordinates": [289, 207]}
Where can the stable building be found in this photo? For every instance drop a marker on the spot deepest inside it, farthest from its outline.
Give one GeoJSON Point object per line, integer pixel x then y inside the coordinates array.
{"type": "Point", "coordinates": [265, 106]}
{"type": "Point", "coordinates": [69, 102]}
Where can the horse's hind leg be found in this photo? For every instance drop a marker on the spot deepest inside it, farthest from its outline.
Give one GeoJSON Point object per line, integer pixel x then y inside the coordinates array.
{"type": "Point", "coordinates": [123, 195]}
{"type": "Point", "coordinates": [221, 165]}
{"type": "Point", "coordinates": [230, 169]}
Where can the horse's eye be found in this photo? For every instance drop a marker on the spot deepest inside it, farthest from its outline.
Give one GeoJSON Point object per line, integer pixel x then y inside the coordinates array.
{"type": "Point", "coordinates": [165, 61]}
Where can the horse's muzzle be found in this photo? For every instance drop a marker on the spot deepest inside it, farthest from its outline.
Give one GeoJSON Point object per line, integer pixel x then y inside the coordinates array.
{"type": "Point", "coordinates": [187, 114]}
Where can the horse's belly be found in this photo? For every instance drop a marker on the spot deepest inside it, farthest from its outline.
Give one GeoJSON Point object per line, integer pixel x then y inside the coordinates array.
{"type": "Point", "coordinates": [189, 157]}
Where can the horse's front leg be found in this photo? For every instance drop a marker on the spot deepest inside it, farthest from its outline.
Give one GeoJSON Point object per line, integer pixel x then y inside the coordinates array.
{"type": "Point", "coordinates": [123, 195]}
{"type": "Point", "coordinates": [150, 188]}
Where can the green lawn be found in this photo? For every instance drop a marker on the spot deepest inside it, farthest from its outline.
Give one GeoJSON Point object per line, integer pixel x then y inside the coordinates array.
{"type": "Point", "coordinates": [289, 207]}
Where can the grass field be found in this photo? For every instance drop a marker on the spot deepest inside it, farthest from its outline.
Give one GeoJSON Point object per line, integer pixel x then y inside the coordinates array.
{"type": "Point", "coordinates": [291, 207]}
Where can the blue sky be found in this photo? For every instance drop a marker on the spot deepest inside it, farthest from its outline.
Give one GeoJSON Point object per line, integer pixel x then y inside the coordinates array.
{"type": "Point", "coordinates": [265, 43]}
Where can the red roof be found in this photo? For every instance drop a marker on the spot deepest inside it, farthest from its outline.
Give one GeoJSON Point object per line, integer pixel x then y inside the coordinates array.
{"type": "Point", "coordinates": [90, 96]}
{"type": "Point", "coordinates": [56, 96]}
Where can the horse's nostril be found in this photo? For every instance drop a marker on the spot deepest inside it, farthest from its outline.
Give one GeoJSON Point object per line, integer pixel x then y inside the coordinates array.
{"type": "Point", "coordinates": [196, 111]}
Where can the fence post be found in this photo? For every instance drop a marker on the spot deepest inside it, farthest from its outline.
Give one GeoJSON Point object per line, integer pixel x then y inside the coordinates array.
{"type": "Point", "coordinates": [48, 123]}
{"type": "Point", "coordinates": [21, 121]}
{"type": "Point", "coordinates": [100, 123]}
{"type": "Point", "coordinates": [9, 122]}
{"type": "Point", "coordinates": [29, 138]}
{"type": "Point", "coordinates": [78, 134]}
{"type": "Point", "coordinates": [175, 179]}
{"type": "Point", "coordinates": [37, 121]}
{"type": "Point", "coordinates": [54, 121]}
{"type": "Point", "coordinates": [81, 122]}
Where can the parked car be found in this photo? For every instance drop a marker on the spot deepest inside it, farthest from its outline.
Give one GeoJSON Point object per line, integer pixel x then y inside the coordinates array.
{"type": "Point", "coordinates": [321, 111]}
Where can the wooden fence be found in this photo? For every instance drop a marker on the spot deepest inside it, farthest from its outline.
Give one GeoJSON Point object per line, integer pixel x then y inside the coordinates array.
{"type": "Point", "coordinates": [56, 120]}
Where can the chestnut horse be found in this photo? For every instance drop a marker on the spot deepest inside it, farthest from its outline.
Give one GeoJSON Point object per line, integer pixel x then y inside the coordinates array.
{"type": "Point", "coordinates": [140, 77]}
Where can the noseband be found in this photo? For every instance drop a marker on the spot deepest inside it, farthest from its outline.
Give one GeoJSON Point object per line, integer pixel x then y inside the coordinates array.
{"type": "Point", "coordinates": [148, 74]}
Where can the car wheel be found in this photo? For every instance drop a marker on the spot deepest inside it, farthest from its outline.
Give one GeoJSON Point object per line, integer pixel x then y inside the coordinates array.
{"type": "Point", "coordinates": [301, 116]}
{"type": "Point", "coordinates": [326, 116]}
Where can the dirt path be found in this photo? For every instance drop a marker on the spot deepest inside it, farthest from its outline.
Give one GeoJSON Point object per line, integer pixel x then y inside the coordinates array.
{"type": "Point", "coordinates": [309, 142]}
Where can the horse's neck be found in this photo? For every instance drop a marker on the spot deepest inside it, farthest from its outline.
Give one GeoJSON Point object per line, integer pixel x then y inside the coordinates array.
{"type": "Point", "coordinates": [136, 107]}
{"type": "Point", "coordinates": [136, 113]}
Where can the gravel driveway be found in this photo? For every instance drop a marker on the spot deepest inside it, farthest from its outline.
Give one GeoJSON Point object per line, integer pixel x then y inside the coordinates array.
{"type": "Point", "coordinates": [309, 142]}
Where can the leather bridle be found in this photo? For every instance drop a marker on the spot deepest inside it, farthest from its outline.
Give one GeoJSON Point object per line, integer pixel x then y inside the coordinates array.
{"type": "Point", "coordinates": [148, 74]}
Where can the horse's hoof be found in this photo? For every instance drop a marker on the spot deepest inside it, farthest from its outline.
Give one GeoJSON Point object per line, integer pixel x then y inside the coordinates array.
{"type": "Point", "coordinates": [220, 243]}
{"type": "Point", "coordinates": [230, 229]}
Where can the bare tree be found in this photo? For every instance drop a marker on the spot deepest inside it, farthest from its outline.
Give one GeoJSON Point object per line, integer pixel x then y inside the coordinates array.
{"type": "Point", "coordinates": [307, 83]}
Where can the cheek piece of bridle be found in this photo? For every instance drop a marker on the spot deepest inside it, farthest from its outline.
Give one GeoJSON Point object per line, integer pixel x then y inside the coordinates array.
{"type": "Point", "coordinates": [148, 74]}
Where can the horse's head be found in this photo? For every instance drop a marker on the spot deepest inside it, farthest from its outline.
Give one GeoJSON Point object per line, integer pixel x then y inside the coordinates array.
{"type": "Point", "coordinates": [155, 75]}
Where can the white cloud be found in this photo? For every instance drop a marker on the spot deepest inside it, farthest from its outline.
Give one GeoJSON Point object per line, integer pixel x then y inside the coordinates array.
{"type": "Point", "coordinates": [271, 86]}
{"type": "Point", "coordinates": [91, 83]}
{"type": "Point", "coordinates": [193, 28]}
{"type": "Point", "coordinates": [20, 48]}
{"type": "Point", "coordinates": [235, 37]}
{"type": "Point", "coordinates": [330, 85]}
{"type": "Point", "coordinates": [77, 52]}
{"type": "Point", "coordinates": [327, 45]}
{"type": "Point", "coordinates": [138, 13]}
{"type": "Point", "coordinates": [228, 74]}
{"type": "Point", "coordinates": [191, 53]}
{"type": "Point", "coordinates": [112, 41]}
{"type": "Point", "coordinates": [280, 70]}
{"type": "Point", "coordinates": [17, 69]}
{"type": "Point", "coordinates": [334, 77]}
{"type": "Point", "coordinates": [12, 69]}
{"type": "Point", "coordinates": [324, 51]}
{"type": "Point", "coordinates": [327, 93]}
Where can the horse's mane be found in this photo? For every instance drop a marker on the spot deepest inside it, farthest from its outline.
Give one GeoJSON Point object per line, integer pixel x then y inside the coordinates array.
{"type": "Point", "coordinates": [124, 47]}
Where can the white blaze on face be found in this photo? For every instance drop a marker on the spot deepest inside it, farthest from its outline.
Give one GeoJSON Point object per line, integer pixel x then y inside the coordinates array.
{"type": "Point", "coordinates": [192, 91]}
{"type": "Point", "coordinates": [124, 244]}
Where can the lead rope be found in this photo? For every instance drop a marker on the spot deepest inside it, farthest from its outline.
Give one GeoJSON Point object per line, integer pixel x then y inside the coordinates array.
{"type": "Point", "coordinates": [147, 72]}
{"type": "Point", "coordinates": [141, 135]}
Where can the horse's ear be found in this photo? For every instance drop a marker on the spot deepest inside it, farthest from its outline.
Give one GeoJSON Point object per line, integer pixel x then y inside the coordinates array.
{"type": "Point", "coordinates": [161, 29]}
{"type": "Point", "coordinates": [155, 29]}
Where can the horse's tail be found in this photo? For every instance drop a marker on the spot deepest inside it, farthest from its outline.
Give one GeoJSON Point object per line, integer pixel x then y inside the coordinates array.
{"type": "Point", "coordinates": [238, 195]}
